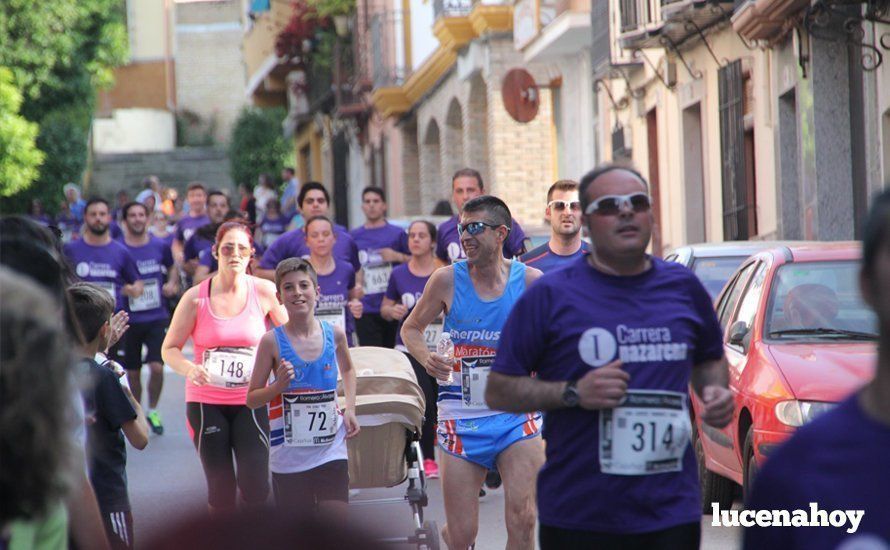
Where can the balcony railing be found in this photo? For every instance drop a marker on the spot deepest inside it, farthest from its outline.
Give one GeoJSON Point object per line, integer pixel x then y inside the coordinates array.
{"type": "Point", "coordinates": [452, 8]}
{"type": "Point", "coordinates": [387, 49]}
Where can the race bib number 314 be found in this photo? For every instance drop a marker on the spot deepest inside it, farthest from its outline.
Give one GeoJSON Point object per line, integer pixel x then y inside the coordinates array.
{"type": "Point", "coordinates": [647, 434]}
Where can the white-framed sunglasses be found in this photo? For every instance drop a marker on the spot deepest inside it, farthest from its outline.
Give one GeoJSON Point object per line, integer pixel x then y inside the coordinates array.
{"type": "Point", "coordinates": [562, 206]}
{"type": "Point", "coordinates": [611, 205]}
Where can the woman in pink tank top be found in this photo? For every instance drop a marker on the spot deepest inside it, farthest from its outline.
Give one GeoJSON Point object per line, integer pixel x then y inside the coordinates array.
{"type": "Point", "coordinates": [225, 317]}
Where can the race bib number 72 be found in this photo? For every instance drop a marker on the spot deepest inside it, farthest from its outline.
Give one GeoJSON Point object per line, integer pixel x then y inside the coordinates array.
{"type": "Point", "coordinates": [647, 434]}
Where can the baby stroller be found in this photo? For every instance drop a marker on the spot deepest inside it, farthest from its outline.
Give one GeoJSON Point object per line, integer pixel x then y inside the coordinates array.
{"type": "Point", "coordinates": [390, 408]}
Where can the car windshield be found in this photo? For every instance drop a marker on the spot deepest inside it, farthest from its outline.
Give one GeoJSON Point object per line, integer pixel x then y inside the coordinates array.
{"type": "Point", "coordinates": [714, 272]}
{"type": "Point", "coordinates": [819, 300]}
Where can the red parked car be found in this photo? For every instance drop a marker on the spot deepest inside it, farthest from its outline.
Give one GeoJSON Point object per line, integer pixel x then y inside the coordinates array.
{"type": "Point", "coordinates": [798, 338]}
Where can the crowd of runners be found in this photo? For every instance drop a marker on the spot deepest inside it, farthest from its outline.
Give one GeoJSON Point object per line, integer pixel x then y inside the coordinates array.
{"type": "Point", "coordinates": [256, 304]}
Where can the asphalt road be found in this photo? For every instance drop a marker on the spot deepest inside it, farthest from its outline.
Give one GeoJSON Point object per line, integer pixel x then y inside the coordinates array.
{"type": "Point", "coordinates": [167, 485]}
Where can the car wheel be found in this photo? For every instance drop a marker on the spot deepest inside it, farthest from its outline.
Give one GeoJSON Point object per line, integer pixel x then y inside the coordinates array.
{"type": "Point", "coordinates": [714, 488]}
{"type": "Point", "coordinates": [750, 465]}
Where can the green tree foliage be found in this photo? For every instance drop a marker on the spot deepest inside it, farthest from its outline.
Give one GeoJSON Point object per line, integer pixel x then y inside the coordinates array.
{"type": "Point", "coordinates": [60, 52]}
{"type": "Point", "coordinates": [258, 145]}
{"type": "Point", "coordinates": [19, 157]}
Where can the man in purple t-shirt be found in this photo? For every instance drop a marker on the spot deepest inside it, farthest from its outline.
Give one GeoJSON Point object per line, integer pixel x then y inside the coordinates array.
{"type": "Point", "coordinates": [380, 245]}
{"type": "Point", "coordinates": [196, 196]}
{"type": "Point", "coordinates": [149, 313]}
{"type": "Point", "coordinates": [465, 185]}
{"type": "Point", "coordinates": [98, 259]}
{"type": "Point", "coordinates": [608, 347]}
{"type": "Point", "coordinates": [314, 201]}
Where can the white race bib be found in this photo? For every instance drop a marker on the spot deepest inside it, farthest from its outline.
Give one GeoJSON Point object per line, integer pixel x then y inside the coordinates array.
{"type": "Point", "coordinates": [229, 367]}
{"type": "Point", "coordinates": [646, 435]}
{"type": "Point", "coordinates": [432, 333]}
{"type": "Point", "coordinates": [473, 379]}
{"type": "Point", "coordinates": [107, 287]}
{"type": "Point", "coordinates": [310, 419]}
{"type": "Point", "coordinates": [377, 278]}
{"type": "Point", "coordinates": [150, 298]}
{"type": "Point", "coordinates": [336, 316]}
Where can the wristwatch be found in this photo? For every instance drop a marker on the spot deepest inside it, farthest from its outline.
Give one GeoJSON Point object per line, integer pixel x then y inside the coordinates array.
{"type": "Point", "coordinates": [570, 397]}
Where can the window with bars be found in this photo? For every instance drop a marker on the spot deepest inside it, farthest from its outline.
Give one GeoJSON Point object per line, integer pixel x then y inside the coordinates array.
{"type": "Point", "coordinates": [739, 220]}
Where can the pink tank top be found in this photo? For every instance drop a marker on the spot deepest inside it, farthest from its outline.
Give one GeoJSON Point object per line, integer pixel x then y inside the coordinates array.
{"type": "Point", "coordinates": [241, 331]}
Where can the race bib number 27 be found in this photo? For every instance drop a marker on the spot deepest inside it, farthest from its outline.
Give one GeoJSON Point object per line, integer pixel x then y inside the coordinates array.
{"type": "Point", "coordinates": [646, 435]}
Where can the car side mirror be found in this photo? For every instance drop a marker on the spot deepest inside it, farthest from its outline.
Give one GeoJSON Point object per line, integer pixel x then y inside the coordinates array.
{"type": "Point", "coordinates": [737, 333]}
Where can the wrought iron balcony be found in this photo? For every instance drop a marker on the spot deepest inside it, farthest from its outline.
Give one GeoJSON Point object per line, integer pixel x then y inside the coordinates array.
{"type": "Point", "coordinates": [387, 49]}
{"type": "Point", "coordinates": [452, 8]}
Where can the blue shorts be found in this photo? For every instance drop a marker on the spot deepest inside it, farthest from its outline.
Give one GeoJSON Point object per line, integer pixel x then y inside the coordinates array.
{"type": "Point", "coordinates": [481, 440]}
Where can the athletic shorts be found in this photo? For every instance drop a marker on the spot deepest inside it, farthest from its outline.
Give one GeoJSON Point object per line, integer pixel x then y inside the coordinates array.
{"type": "Point", "coordinates": [481, 440]}
{"type": "Point", "coordinates": [119, 529]}
{"type": "Point", "coordinates": [303, 491]}
{"type": "Point", "coordinates": [151, 334]}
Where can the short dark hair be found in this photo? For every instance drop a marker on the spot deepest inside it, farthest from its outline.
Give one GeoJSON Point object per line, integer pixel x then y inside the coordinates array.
{"type": "Point", "coordinates": [309, 186]}
{"type": "Point", "coordinates": [589, 178]}
{"type": "Point", "coordinates": [217, 192]}
{"type": "Point", "coordinates": [96, 200]}
{"type": "Point", "coordinates": [130, 205]}
{"type": "Point", "coordinates": [196, 185]}
{"type": "Point", "coordinates": [497, 210]}
{"type": "Point", "coordinates": [876, 230]}
{"type": "Point", "coordinates": [562, 185]}
{"type": "Point", "coordinates": [376, 190]}
{"type": "Point", "coordinates": [290, 169]}
{"type": "Point", "coordinates": [289, 265]}
{"type": "Point", "coordinates": [93, 307]}
{"type": "Point", "coordinates": [429, 226]}
{"type": "Point", "coordinates": [468, 173]}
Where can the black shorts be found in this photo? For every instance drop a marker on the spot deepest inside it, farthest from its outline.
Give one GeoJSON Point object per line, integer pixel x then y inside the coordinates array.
{"type": "Point", "coordinates": [680, 537]}
{"type": "Point", "coordinates": [305, 490]}
{"type": "Point", "coordinates": [119, 529]}
{"type": "Point", "coordinates": [151, 334]}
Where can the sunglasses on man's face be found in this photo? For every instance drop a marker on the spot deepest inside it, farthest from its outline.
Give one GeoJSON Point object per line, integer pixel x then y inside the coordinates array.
{"type": "Point", "coordinates": [474, 228]}
{"type": "Point", "coordinates": [562, 206]}
{"type": "Point", "coordinates": [611, 205]}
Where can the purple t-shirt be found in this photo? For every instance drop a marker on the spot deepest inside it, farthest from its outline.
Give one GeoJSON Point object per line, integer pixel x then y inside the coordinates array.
{"type": "Point", "coordinates": [449, 250]}
{"type": "Point", "coordinates": [187, 226]}
{"type": "Point", "coordinates": [838, 461]}
{"type": "Point", "coordinates": [152, 260]}
{"type": "Point", "coordinates": [272, 229]}
{"type": "Point", "coordinates": [110, 266]}
{"type": "Point", "coordinates": [660, 324]}
{"type": "Point", "coordinates": [293, 245]}
{"type": "Point", "coordinates": [376, 271]}
{"type": "Point", "coordinates": [546, 260]}
{"type": "Point", "coordinates": [405, 288]}
{"type": "Point", "coordinates": [42, 219]}
{"type": "Point", "coordinates": [335, 287]}
{"type": "Point", "coordinates": [69, 226]}
{"type": "Point", "coordinates": [194, 246]}
{"type": "Point", "coordinates": [116, 232]}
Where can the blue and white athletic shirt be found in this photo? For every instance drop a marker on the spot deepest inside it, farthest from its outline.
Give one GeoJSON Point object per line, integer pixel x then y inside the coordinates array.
{"type": "Point", "coordinates": [306, 428]}
{"type": "Point", "coordinates": [475, 327]}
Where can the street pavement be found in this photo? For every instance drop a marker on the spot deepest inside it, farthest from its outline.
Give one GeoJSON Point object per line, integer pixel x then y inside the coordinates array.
{"type": "Point", "coordinates": [167, 486]}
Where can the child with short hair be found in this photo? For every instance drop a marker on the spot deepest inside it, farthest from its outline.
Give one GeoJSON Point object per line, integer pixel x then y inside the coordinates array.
{"type": "Point", "coordinates": [308, 435]}
{"type": "Point", "coordinates": [111, 414]}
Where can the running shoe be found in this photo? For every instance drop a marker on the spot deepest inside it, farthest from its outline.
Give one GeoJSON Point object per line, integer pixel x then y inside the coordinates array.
{"type": "Point", "coordinates": [154, 420]}
{"type": "Point", "coordinates": [493, 479]}
{"type": "Point", "coordinates": [430, 468]}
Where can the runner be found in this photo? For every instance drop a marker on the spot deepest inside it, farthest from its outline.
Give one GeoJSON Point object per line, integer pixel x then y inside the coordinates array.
{"type": "Point", "coordinates": [314, 201]}
{"type": "Point", "coordinates": [380, 245]}
{"type": "Point", "coordinates": [218, 207]}
{"type": "Point", "coordinates": [67, 223]}
{"type": "Point", "coordinates": [466, 184]}
{"type": "Point", "coordinates": [107, 263]}
{"type": "Point", "coordinates": [563, 213]}
{"type": "Point", "coordinates": [402, 293]}
{"type": "Point", "coordinates": [196, 197]}
{"type": "Point", "coordinates": [476, 296]}
{"type": "Point", "coordinates": [149, 313]}
{"type": "Point", "coordinates": [839, 460]}
{"type": "Point", "coordinates": [308, 430]}
{"type": "Point", "coordinates": [340, 301]}
{"type": "Point", "coordinates": [225, 318]}
{"type": "Point", "coordinates": [608, 347]}
{"type": "Point", "coordinates": [273, 224]}
{"type": "Point", "coordinates": [160, 228]}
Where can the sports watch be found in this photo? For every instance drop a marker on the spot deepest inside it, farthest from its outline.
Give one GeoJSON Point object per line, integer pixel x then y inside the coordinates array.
{"type": "Point", "coordinates": [570, 397]}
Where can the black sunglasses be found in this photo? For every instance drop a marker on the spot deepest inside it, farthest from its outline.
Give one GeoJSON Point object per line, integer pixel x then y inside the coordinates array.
{"type": "Point", "coordinates": [474, 228]}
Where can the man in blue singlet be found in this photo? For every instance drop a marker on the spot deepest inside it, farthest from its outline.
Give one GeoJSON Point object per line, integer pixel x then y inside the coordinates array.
{"type": "Point", "coordinates": [476, 296]}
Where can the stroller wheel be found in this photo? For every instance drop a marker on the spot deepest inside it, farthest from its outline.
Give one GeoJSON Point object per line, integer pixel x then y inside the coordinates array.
{"type": "Point", "coordinates": [429, 536]}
